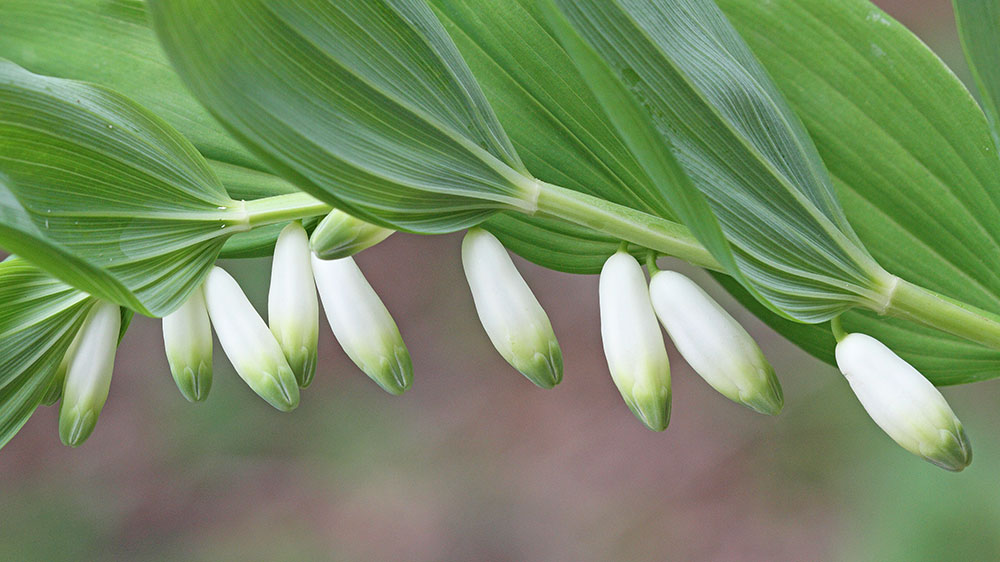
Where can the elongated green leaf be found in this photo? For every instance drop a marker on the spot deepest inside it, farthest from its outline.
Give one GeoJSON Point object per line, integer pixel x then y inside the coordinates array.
{"type": "Point", "coordinates": [37, 323]}
{"type": "Point", "coordinates": [911, 157]}
{"type": "Point", "coordinates": [364, 104]}
{"type": "Point", "coordinates": [653, 151]}
{"type": "Point", "coordinates": [109, 42]}
{"type": "Point", "coordinates": [979, 28]}
{"type": "Point", "coordinates": [105, 195]}
{"type": "Point", "coordinates": [742, 146]}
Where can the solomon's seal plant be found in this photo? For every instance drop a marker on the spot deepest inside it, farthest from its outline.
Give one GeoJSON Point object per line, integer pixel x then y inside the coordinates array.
{"type": "Point", "coordinates": [844, 184]}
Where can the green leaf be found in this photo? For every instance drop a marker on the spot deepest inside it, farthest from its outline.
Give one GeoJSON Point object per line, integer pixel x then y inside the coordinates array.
{"type": "Point", "coordinates": [652, 149]}
{"type": "Point", "coordinates": [104, 195]}
{"type": "Point", "coordinates": [912, 160]}
{"type": "Point", "coordinates": [109, 42]}
{"type": "Point", "coordinates": [979, 28]}
{"type": "Point", "coordinates": [364, 104]}
{"type": "Point", "coordinates": [39, 318]}
{"type": "Point", "coordinates": [743, 147]}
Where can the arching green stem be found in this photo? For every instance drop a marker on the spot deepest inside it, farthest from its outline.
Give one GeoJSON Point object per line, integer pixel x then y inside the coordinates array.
{"type": "Point", "coordinates": [902, 299]}
{"type": "Point", "coordinates": [282, 208]}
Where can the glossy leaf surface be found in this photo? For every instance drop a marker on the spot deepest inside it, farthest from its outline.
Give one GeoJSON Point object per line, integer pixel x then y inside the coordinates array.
{"type": "Point", "coordinates": [364, 104]}
{"type": "Point", "coordinates": [911, 157]}
{"type": "Point", "coordinates": [103, 194]}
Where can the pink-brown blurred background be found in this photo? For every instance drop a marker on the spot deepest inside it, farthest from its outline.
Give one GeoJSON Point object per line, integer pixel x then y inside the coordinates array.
{"type": "Point", "coordinates": [475, 463]}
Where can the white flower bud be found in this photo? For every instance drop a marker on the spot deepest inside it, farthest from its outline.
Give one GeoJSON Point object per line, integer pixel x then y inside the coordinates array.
{"type": "Point", "coordinates": [714, 343]}
{"type": "Point", "coordinates": [512, 317]}
{"type": "Point", "coordinates": [903, 403]}
{"type": "Point", "coordinates": [292, 308]}
{"type": "Point", "coordinates": [88, 375]}
{"type": "Point", "coordinates": [54, 393]}
{"type": "Point", "coordinates": [187, 340]}
{"type": "Point", "coordinates": [339, 235]}
{"type": "Point", "coordinates": [633, 344]}
{"type": "Point", "coordinates": [362, 324]}
{"type": "Point", "coordinates": [248, 343]}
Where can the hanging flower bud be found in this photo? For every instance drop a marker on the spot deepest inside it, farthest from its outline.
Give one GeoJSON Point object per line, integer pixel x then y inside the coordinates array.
{"type": "Point", "coordinates": [187, 340]}
{"type": "Point", "coordinates": [54, 392]}
{"type": "Point", "coordinates": [362, 324]}
{"type": "Point", "coordinates": [903, 403]}
{"type": "Point", "coordinates": [714, 343]}
{"type": "Point", "coordinates": [248, 343]}
{"type": "Point", "coordinates": [88, 374]}
{"type": "Point", "coordinates": [340, 235]}
{"type": "Point", "coordinates": [512, 317]}
{"type": "Point", "coordinates": [292, 308]}
{"type": "Point", "coordinates": [633, 344]}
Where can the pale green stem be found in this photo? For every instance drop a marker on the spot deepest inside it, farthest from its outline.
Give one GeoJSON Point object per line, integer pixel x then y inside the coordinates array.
{"type": "Point", "coordinates": [924, 306]}
{"type": "Point", "coordinates": [624, 223]}
{"type": "Point", "coordinates": [282, 208]}
{"type": "Point", "coordinates": [902, 298]}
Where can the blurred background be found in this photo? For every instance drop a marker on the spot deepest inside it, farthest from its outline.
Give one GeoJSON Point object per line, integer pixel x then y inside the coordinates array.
{"type": "Point", "coordinates": [475, 463]}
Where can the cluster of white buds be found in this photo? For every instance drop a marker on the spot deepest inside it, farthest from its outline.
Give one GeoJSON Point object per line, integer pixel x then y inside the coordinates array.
{"type": "Point", "coordinates": [278, 358]}
{"type": "Point", "coordinates": [902, 402]}
{"type": "Point", "coordinates": [708, 338]}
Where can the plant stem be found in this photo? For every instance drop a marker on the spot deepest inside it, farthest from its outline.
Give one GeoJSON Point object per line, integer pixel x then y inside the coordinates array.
{"type": "Point", "coordinates": [282, 208]}
{"type": "Point", "coordinates": [624, 223]}
{"type": "Point", "coordinates": [902, 298]}
{"type": "Point", "coordinates": [926, 307]}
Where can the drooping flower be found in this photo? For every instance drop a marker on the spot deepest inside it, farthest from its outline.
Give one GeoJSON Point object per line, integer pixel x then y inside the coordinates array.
{"type": "Point", "coordinates": [187, 340]}
{"type": "Point", "coordinates": [248, 343]}
{"type": "Point", "coordinates": [362, 324]}
{"type": "Point", "coordinates": [339, 235]}
{"type": "Point", "coordinates": [54, 393]}
{"type": "Point", "coordinates": [633, 344]}
{"type": "Point", "coordinates": [903, 403]}
{"type": "Point", "coordinates": [714, 343]}
{"type": "Point", "coordinates": [514, 321]}
{"type": "Point", "coordinates": [88, 374]}
{"type": "Point", "coordinates": [292, 307]}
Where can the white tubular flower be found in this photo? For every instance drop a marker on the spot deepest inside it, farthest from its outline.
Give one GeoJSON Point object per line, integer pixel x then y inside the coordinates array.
{"type": "Point", "coordinates": [88, 374]}
{"type": "Point", "coordinates": [633, 344]}
{"type": "Point", "coordinates": [292, 308]}
{"type": "Point", "coordinates": [340, 235]}
{"type": "Point", "coordinates": [248, 343]}
{"type": "Point", "coordinates": [512, 317]}
{"type": "Point", "coordinates": [187, 340]}
{"type": "Point", "coordinates": [714, 343]}
{"type": "Point", "coordinates": [56, 387]}
{"type": "Point", "coordinates": [903, 403]}
{"type": "Point", "coordinates": [362, 324]}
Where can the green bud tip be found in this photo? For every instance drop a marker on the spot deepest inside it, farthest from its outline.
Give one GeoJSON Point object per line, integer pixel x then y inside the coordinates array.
{"type": "Point", "coordinates": [75, 426]}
